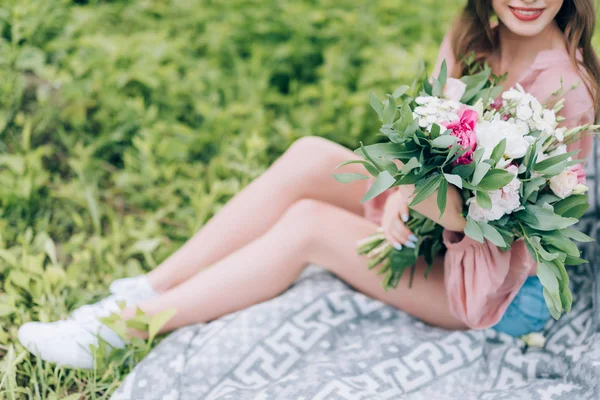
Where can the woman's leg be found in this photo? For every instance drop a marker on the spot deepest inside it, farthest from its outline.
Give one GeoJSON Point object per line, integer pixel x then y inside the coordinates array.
{"type": "Point", "coordinates": [309, 232]}
{"type": "Point", "coordinates": [304, 171]}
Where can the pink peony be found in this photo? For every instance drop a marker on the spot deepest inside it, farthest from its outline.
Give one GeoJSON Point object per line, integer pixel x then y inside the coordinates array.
{"type": "Point", "coordinates": [464, 130]}
{"type": "Point", "coordinates": [580, 172]}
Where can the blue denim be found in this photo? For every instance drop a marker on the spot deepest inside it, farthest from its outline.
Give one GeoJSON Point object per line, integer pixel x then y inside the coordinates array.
{"type": "Point", "coordinates": [528, 311]}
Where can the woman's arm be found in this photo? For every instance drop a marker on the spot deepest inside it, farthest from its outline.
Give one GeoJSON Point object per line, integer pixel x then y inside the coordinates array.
{"type": "Point", "coordinates": [447, 54]}
{"type": "Point", "coordinates": [452, 219]}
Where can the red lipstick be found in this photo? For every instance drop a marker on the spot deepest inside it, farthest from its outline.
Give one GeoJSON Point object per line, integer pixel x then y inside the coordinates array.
{"type": "Point", "coordinates": [527, 14]}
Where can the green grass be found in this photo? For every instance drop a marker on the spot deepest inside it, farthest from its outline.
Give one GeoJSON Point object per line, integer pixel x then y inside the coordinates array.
{"type": "Point", "coordinates": [124, 125]}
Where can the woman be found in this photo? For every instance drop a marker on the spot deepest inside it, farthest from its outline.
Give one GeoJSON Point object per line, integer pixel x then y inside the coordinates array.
{"type": "Point", "coordinates": [295, 214]}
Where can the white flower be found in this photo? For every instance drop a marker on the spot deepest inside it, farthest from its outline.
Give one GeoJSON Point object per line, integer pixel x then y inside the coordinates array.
{"type": "Point", "coordinates": [537, 108]}
{"type": "Point", "coordinates": [490, 133]}
{"type": "Point", "coordinates": [454, 89]}
{"type": "Point", "coordinates": [504, 201]}
{"type": "Point", "coordinates": [580, 189]}
{"type": "Point", "coordinates": [534, 339]}
{"type": "Point", "coordinates": [433, 110]}
{"type": "Point", "coordinates": [513, 94]}
{"type": "Point", "coordinates": [559, 134]}
{"type": "Point", "coordinates": [524, 112]}
{"type": "Point", "coordinates": [546, 122]}
{"type": "Point", "coordinates": [564, 183]}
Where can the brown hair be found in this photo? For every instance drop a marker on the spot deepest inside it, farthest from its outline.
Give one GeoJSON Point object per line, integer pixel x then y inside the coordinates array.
{"type": "Point", "coordinates": [473, 34]}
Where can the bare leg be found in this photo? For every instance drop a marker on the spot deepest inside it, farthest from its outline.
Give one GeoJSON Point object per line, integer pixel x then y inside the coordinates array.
{"type": "Point", "coordinates": [310, 232]}
{"type": "Point", "coordinates": [304, 171]}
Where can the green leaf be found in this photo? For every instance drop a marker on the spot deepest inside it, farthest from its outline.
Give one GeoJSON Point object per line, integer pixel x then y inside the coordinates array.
{"type": "Point", "coordinates": [548, 279]}
{"type": "Point", "coordinates": [368, 166]}
{"type": "Point", "coordinates": [532, 185]}
{"type": "Point", "coordinates": [384, 181]}
{"type": "Point", "coordinates": [6, 310]}
{"type": "Point", "coordinates": [349, 177]}
{"type": "Point", "coordinates": [410, 165]}
{"type": "Point", "coordinates": [480, 170]}
{"type": "Point", "coordinates": [400, 91]}
{"type": "Point", "coordinates": [575, 261]}
{"type": "Point", "coordinates": [426, 189]}
{"type": "Point", "coordinates": [441, 196]}
{"type": "Point", "coordinates": [388, 150]}
{"type": "Point", "coordinates": [159, 320]}
{"type": "Point", "coordinates": [389, 111]}
{"type": "Point", "coordinates": [547, 220]}
{"type": "Point", "coordinates": [499, 150]}
{"type": "Point", "coordinates": [561, 242]}
{"type": "Point", "coordinates": [456, 180]}
{"type": "Point", "coordinates": [437, 88]}
{"type": "Point", "coordinates": [577, 236]}
{"type": "Point", "coordinates": [442, 77]}
{"type": "Point", "coordinates": [496, 179]}
{"type": "Point", "coordinates": [551, 304]}
{"type": "Point", "coordinates": [577, 211]}
{"type": "Point", "coordinates": [434, 132]}
{"type": "Point", "coordinates": [465, 170]}
{"type": "Point", "coordinates": [377, 105]}
{"type": "Point", "coordinates": [552, 161]}
{"type": "Point", "coordinates": [491, 234]}
{"type": "Point", "coordinates": [473, 230]}
{"type": "Point", "coordinates": [483, 199]}
{"type": "Point", "coordinates": [443, 142]}
{"type": "Point", "coordinates": [572, 205]}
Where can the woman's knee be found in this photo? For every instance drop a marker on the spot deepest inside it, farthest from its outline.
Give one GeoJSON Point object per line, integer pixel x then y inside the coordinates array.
{"type": "Point", "coordinates": [312, 153]}
{"type": "Point", "coordinates": [304, 218]}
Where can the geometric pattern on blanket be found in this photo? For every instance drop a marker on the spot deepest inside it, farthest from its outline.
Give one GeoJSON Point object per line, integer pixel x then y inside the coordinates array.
{"type": "Point", "coordinates": [323, 340]}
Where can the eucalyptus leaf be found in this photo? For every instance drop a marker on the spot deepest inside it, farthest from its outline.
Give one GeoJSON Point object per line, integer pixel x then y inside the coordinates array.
{"type": "Point", "coordinates": [349, 177]}
{"type": "Point", "coordinates": [473, 230]}
{"type": "Point", "coordinates": [382, 183]}
{"type": "Point", "coordinates": [444, 142]}
{"type": "Point", "coordinates": [456, 180]}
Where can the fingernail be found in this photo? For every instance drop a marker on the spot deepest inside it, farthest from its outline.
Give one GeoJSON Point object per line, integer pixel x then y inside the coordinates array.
{"type": "Point", "coordinates": [413, 238]}
{"type": "Point", "coordinates": [397, 246]}
{"type": "Point", "coordinates": [404, 217]}
{"type": "Point", "coordinates": [410, 244]}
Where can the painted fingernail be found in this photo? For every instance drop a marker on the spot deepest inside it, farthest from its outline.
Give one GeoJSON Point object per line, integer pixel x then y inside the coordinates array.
{"type": "Point", "coordinates": [413, 238]}
{"type": "Point", "coordinates": [397, 246]}
{"type": "Point", "coordinates": [405, 217]}
{"type": "Point", "coordinates": [410, 244]}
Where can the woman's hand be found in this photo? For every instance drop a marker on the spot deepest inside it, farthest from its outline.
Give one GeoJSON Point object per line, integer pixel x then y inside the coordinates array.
{"type": "Point", "coordinates": [395, 214]}
{"type": "Point", "coordinates": [452, 219]}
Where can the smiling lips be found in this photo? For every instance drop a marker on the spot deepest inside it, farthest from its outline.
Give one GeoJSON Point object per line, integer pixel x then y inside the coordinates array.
{"type": "Point", "coordinates": [527, 14]}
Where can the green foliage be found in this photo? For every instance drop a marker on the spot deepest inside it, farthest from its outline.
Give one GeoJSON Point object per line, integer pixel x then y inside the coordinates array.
{"type": "Point", "coordinates": [125, 125]}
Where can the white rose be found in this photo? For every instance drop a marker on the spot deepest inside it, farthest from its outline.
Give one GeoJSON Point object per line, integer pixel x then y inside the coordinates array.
{"type": "Point", "coordinates": [564, 183]}
{"type": "Point", "coordinates": [454, 89]}
{"type": "Point", "coordinates": [504, 201]}
{"type": "Point", "coordinates": [489, 134]}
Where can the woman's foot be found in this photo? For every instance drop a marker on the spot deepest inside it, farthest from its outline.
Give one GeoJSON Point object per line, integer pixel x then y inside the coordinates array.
{"type": "Point", "coordinates": [70, 342]}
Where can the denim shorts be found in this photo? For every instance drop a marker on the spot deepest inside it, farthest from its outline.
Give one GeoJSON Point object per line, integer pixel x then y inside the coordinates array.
{"type": "Point", "coordinates": [528, 311]}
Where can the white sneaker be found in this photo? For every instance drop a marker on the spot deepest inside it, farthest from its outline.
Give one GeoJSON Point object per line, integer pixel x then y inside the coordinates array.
{"type": "Point", "coordinates": [68, 342]}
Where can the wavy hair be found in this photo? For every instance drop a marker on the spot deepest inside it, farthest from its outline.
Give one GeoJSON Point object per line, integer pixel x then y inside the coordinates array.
{"type": "Point", "coordinates": [473, 34]}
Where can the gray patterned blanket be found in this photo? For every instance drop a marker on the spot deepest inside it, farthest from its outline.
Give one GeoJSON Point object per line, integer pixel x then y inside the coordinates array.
{"type": "Point", "coordinates": [323, 340]}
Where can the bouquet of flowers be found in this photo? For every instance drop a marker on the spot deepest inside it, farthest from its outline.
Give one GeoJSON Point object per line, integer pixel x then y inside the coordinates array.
{"type": "Point", "coordinates": [508, 158]}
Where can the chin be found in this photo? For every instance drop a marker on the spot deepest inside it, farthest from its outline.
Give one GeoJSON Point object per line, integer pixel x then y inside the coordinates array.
{"type": "Point", "coordinates": [526, 19]}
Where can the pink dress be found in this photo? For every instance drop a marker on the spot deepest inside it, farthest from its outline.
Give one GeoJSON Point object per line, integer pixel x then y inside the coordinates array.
{"type": "Point", "coordinates": [481, 280]}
